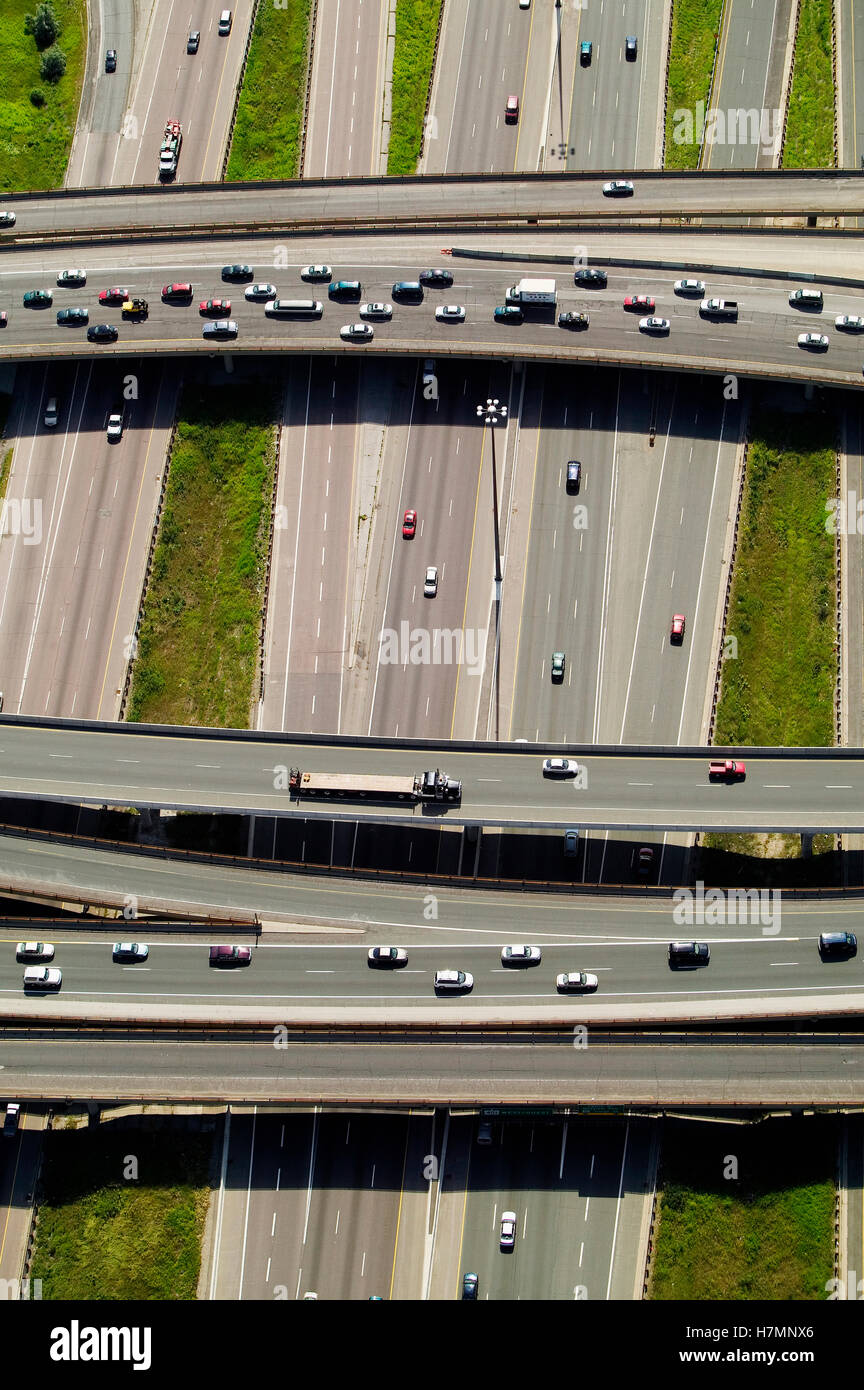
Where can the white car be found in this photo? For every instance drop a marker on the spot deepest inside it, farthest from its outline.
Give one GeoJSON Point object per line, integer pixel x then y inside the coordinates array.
{"type": "Point", "coordinates": [34, 950]}
{"type": "Point", "coordinates": [577, 980]}
{"type": "Point", "coordinates": [689, 287]}
{"type": "Point", "coordinates": [260, 291]}
{"type": "Point", "coordinates": [42, 977]}
{"type": "Point", "coordinates": [654, 325]}
{"type": "Point", "coordinates": [560, 767]}
{"type": "Point", "coordinates": [316, 272]}
{"type": "Point", "coordinates": [72, 277]}
{"type": "Point", "coordinates": [455, 980]}
{"type": "Point", "coordinates": [521, 955]}
{"type": "Point", "coordinates": [617, 186]}
{"type": "Point", "coordinates": [812, 340]}
{"type": "Point", "coordinates": [430, 583]}
{"type": "Point", "coordinates": [853, 323]}
{"type": "Point", "coordinates": [387, 955]}
{"type": "Point", "coordinates": [359, 332]}
{"type": "Point", "coordinates": [450, 313]}
{"type": "Point", "coordinates": [115, 426]}
{"type": "Point", "coordinates": [129, 951]}
{"type": "Point", "coordinates": [376, 311]}
{"type": "Point", "coordinates": [508, 1230]}
{"type": "Point", "coordinates": [7, 219]}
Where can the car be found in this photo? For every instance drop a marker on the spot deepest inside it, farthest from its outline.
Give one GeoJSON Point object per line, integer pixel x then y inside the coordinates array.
{"type": "Point", "coordinates": [220, 328]}
{"type": "Point", "coordinates": [469, 1286]}
{"type": "Point", "coordinates": [560, 767]}
{"type": "Point", "coordinates": [102, 333]}
{"type": "Point", "coordinates": [511, 110]}
{"type": "Point", "coordinates": [316, 272]}
{"type": "Point", "coordinates": [812, 340]}
{"type": "Point", "coordinates": [214, 306]}
{"type": "Point", "coordinates": [642, 861]}
{"type": "Point", "coordinates": [507, 313]}
{"type": "Point", "coordinates": [450, 313]}
{"type": "Point", "coordinates": [409, 524]}
{"type": "Point", "coordinates": [193, 41]}
{"type": "Point", "coordinates": [387, 955]}
{"type": "Point", "coordinates": [508, 1230]}
{"type": "Point", "coordinates": [571, 843]}
{"type": "Point", "coordinates": [727, 769]}
{"type": "Point", "coordinates": [38, 299]}
{"type": "Point", "coordinates": [851, 323]}
{"type": "Point", "coordinates": [237, 272]}
{"type": "Point", "coordinates": [457, 981]}
{"type": "Point", "coordinates": [310, 1297]}
{"type": "Point", "coordinates": [837, 945]}
{"type": "Point", "coordinates": [430, 582]}
{"type": "Point", "coordinates": [689, 287]}
{"type": "Point", "coordinates": [357, 332]}
{"type": "Point", "coordinates": [72, 277]}
{"type": "Point", "coordinates": [376, 311]}
{"type": "Point", "coordinates": [10, 1119]}
{"type": "Point", "coordinates": [349, 291]}
{"type": "Point", "coordinates": [66, 317]}
{"type": "Point", "coordinates": [630, 48]}
{"type": "Point", "coordinates": [684, 953]}
{"type": "Point", "coordinates": [484, 1132]}
{"type": "Point", "coordinates": [524, 4]}
{"type": "Point", "coordinates": [230, 955]}
{"type": "Point", "coordinates": [135, 308]}
{"type": "Point", "coordinates": [618, 187]}
{"type": "Point", "coordinates": [443, 279]}
{"type": "Point", "coordinates": [124, 951]}
{"type": "Point", "coordinates": [4, 318]}
{"type": "Point", "coordinates": [559, 663]}
{"type": "Point", "coordinates": [180, 289]}
{"type": "Point", "coordinates": [590, 275]}
{"type": "Point", "coordinates": [49, 419]}
{"type": "Point", "coordinates": [571, 320]}
{"type": "Point", "coordinates": [653, 325]}
{"type": "Point", "coordinates": [575, 981]}
{"type": "Point", "coordinates": [115, 295]}
{"type": "Point", "coordinates": [225, 22]}
{"type": "Point", "coordinates": [521, 955]}
{"type": "Point", "coordinates": [42, 977]}
{"type": "Point", "coordinates": [639, 302]}
{"type": "Point", "coordinates": [586, 48]}
{"type": "Point", "coordinates": [261, 290]}
{"type": "Point", "coordinates": [574, 475]}
{"type": "Point", "coordinates": [111, 60]}
{"type": "Point", "coordinates": [34, 950]}
{"type": "Point", "coordinates": [1, 701]}
{"type": "Point", "coordinates": [7, 219]}
{"type": "Point", "coordinates": [676, 632]}
{"type": "Point", "coordinates": [115, 427]}
{"type": "Point", "coordinates": [806, 299]}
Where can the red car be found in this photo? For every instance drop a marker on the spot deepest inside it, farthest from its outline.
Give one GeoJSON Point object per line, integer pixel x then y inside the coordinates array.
{"type": "Point", "coordinates": [511, 110]}
{"type": "Point", "coordinates": [728, 770]}
{"type": "Point", "coordinates": [230, 955]}
{"type": "Point", "coordinates": [113, 296]}
{"type": "Point", "coordinates": [409, 525]}
{"type": "Point", "coordinates": [678, 626]}
{"type": "Point", "coordinates": [219, 307]}
{"type": "Point", "coordinates": [177, 291]}
{"type": "Point", "coordinates": [639, 302]}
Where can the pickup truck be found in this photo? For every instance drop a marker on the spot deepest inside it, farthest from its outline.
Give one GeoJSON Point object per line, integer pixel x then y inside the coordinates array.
{"type": "Point", "coordinates": [719, 308]}
{"type": "Point", "coordinates": [727, 770]}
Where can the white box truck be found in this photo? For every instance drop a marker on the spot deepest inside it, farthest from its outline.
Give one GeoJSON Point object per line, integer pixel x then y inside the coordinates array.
{"type": "Point", "coordinates": [539, 292]}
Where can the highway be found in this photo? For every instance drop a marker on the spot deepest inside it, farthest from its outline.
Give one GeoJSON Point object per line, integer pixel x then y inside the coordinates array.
{"type": "Point", "coordinates": [614, 103]}
{"type": "Point", "coordinates": [749, 78]}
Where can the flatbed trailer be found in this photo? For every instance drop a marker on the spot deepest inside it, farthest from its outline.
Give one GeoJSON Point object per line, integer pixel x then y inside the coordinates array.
{"type": "Point", "coordinates": [348, 786]}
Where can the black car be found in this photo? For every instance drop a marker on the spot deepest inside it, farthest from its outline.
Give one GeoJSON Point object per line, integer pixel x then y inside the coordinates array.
{"type": "Point", "coordinates": [571, 320]}
{"type": "Point", "coordinates": [193, 40]}
{"type": "Point", "coordinates": [630, 46]}
{"type": "Point", "coordinates": [444, 278]}
{"type": "Point", "coordinates": [688, 953]}
{"type": "Point", "coordinates": [837, 945]}
{"type": "Point", "coordinates": [588, 276]}
{"type": "Point", "coordinates": [111, 60]}
{"type": "Point", "coordinates": [102, 333]}
{"type": "Point", "coordinates": [469, 1286]}
{"type": "Point", "coordinates": [237, 272]}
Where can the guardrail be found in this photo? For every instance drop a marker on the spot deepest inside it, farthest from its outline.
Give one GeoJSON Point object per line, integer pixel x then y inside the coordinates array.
{"type": "Point", "coordinates": [668, 42]}
{"type": "Point", "coordinates": [835, 83]}
{"type": "Point", "coordinates": [788, 99]}
{"type": "Point", "coordinates": [268, 569]}
{"type": "Point", "coordinates": [431, 80]}
{"type": "Point", "coordinates": [838, 603]}
{"type": "Point", "coordinates": [718, 40]}
{"type": "Point", "coordinates": [238, 87]}
{"type": "Point", "coordinates": [718, 671]}
{"type": "Point", "coordinates": [310, 56]}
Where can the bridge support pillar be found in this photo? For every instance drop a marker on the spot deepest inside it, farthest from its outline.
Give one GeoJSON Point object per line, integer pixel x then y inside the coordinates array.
{"type": "Point", "coordinates": [806, 846]}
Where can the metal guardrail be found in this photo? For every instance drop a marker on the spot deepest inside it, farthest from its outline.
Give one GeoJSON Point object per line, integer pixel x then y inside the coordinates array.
{"type": "Point", "coordinates": [310, 56]}
{"type": "Point", "coordinates": [238, 87]}
{"type": "Point", "coordinates": [835, 82]}
{"type": "Point", "coordinates": [268, 568]}
{"type": "Point", "coordinates": [718, 672]}
{"type": "Point", "coordinates": [838, 604]}
{"type": "Point", "coordinates": [666, 79]}
{"type": "Point", "coordinates": [787, 103]}
{"type": "Point", "coordinates": [721, 25]}
{"type": "Point", "coordinates": [431, 80]}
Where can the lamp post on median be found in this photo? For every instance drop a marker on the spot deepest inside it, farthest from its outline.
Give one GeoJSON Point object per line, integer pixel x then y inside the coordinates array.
{"type": "Point", "coordinates": [493, 413]}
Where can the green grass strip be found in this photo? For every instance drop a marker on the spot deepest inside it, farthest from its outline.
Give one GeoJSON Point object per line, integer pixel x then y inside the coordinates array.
{"type": "Point", "coordinates": [269, 125]}
{"type": "Point", "coordinates": [695, 34]}
{"type": "Point", "coordinates": [198, 643]}
{"type": "Point", "coordinates": [104, 1234]}
{"type": "Point", "coordinates": [35, 142]}
{"type": "Point", "coordinates": [809, 140]}
{"type": "Point", "coordinates": [416, 27]}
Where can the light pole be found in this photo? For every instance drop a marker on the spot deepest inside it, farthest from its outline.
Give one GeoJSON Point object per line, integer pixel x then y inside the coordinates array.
{"type": "Point", "coordinates": [492, 413]}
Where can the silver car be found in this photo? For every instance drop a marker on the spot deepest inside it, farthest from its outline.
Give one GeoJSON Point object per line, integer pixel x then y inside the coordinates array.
{"type": "Point", "coordinates": [450, 313]}
{"type": "Point", "coordinates": [130, 951]}
{"type": "Point", "coordinates": [812, 340]}
{"type": "Point", "coordinates": [560, 767]}
{"type": "Point", "coordinates": [376, 311]}
{"type": "Point", "coordinates": [521, 955]}
{"type": "Point", "coordinates": [617, 186]}
{"type": "Point", "coordinates": [357, 332]}
{"type": "Point", "coordinates": [689, 287]}
{"type": "Point", "coordinates": [453, 981]}
{"type": "Point", "coordinates": [430, 583]}
{"type": "Point", "coordinates": [260, 291]}
{"type": "Point", "coordinates": [508, 1230]}
{"type": "Point", "coordinates": [852, 323]}
{"type": "Point", "coordinates": [220, 328]}
{"type": "Point", "coordinates": [42, 977]}
{"type": "Point", "coordinates": [34, 950]}
{"type": "Point", "coordinates": [654, 325]}
{"type": "Point", "coordinates": [316, 272]}
{"type": "Point", "coordinates": [577, 981]}
{"type": "Point", "coordinates": [387, 955]}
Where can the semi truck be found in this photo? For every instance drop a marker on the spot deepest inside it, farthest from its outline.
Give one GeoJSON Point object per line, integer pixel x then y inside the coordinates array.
{"type": "Point", "coordinates": [425, 786]}
{"type": "Point", "coordinates": [538, 292]}
{"type": "Point", "coordinates": [719, 308]}
{"type": "Point", "coordinates": [169, 152]}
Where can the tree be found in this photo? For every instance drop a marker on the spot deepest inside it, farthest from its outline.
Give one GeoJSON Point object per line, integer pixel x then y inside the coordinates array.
{"type": "Point", "coordinates": [44, 26]}
{"type": "Point", "coordinates": [53, 65]}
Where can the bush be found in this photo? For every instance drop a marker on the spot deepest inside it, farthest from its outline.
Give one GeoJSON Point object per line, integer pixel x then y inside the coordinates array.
{"type": "Point", "coordinates": [53, 65]}
{"type": "Point", "coordinates": [37, 96]}
{"type": "Point", "coordinates": [44, 26]}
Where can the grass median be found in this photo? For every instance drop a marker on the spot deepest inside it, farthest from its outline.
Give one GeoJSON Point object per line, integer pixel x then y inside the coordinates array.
{"type": "Point", "coordinates": [198, 642]}
{"type": "Point", "coordinates": [809, 142]}
{"type": "Point", "coordinates": [35, 140]}
{"type": "Point", "coordinates": [416, 27]}
{"type": "Point", "coordinates": [269, 126]}
{"type": "Point", "coordinates": [695, 35]}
